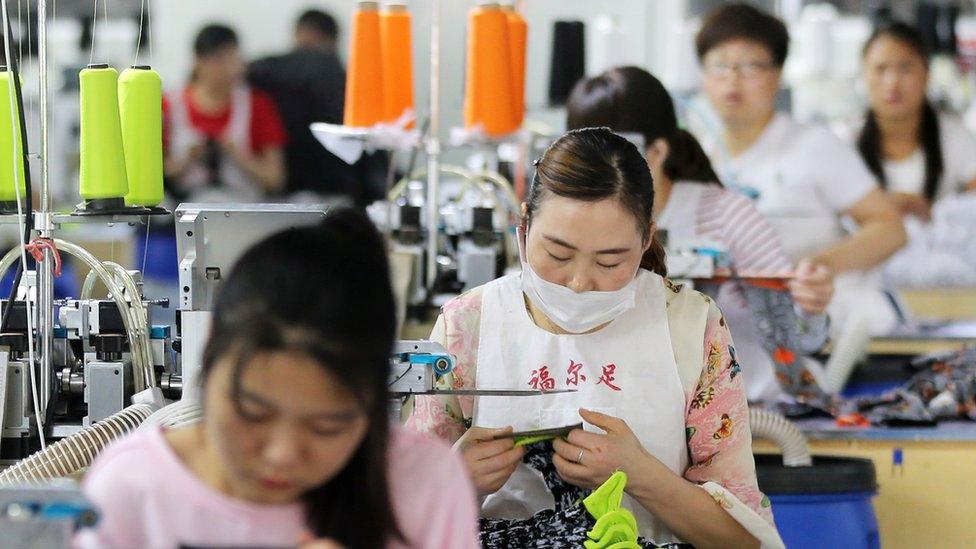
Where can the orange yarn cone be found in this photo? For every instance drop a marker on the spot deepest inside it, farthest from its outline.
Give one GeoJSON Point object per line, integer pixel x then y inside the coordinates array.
{"type": "Point", "coordinates": [397, 61]}
{"type": "Point", "coordinates": [488, 98]}
{"type": "Point", "coordinates": [518, 32]}
{"type": "Point", "coordinates": [364, 81]}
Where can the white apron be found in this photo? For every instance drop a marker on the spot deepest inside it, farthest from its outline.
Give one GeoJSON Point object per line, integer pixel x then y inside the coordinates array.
{"type": "Point", "coordinates": [237, 185]}
{"type": "Point", "coordinates": [626, 370]}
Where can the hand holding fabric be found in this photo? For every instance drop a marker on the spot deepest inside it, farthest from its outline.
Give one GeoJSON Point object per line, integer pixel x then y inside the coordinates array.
{"type": "Point", "coordinates": [587, 459]}
{"type": "Point", "coordinates": [813, 287]}
{"type": "Point", "coordinates": [490, 462]}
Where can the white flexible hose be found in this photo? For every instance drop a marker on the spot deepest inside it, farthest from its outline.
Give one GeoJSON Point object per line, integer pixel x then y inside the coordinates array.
{"type": "Point", "coordinates": [89, 286]}
{"type": "Point", "coordinates": [847, 351]}
{"type": "Point", "coordinates": [140, 318]}
{"type": "Point", "coordinates": [175, 415]}
{"type": "Point", "coordinates": [76, 452]}
{"type": "Point", "coordinates": [783, 433]}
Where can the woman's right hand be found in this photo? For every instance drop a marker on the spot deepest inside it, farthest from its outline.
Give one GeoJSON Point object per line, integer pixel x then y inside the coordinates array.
{"type": "Point", "coordinates": [913, 204]}
{"type": "Point", "coordinates": [489, 461]}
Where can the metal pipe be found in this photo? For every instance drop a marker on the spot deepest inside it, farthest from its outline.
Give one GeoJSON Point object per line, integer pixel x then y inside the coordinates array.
{"type": "Point", "coordinates": [433, 144]}
{"type": "Point", "coordinates": [45, 283]}
{"type": "Point", "coordinates": [42, 60]}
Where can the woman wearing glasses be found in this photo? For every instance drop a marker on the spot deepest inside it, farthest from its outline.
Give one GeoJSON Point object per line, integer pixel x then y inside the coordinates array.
{"type": "Point", "coordinates": [806, 181]}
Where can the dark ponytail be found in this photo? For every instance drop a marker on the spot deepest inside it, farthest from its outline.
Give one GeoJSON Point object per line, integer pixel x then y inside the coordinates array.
{"type": "Point", "coordinates": [593, 164]}
{"type": "Point", "coordinates": [687, 160]}
{"type": "Point", "coordinates": [655, 258]}
{"type": "Point", "coordinates": [929, 136]}
{"type": "Point", "coordinates": [931, 139]}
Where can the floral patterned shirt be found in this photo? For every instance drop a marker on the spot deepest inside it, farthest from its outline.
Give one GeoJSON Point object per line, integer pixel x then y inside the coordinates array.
{"type": "Point", "coordinates": [716, 419]}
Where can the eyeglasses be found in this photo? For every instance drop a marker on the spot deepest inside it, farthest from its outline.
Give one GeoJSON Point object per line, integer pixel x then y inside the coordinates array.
{"type": "Point", "coordinates": [748, 71]}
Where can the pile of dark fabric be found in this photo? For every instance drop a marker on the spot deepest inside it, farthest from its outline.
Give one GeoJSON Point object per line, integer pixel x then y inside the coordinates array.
{"type": "Point", "coordinates": [944, 387]}
{"type": "Point", "coordinates": [563, 527]}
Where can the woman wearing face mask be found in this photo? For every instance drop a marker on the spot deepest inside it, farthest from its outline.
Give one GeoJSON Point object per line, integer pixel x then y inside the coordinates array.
{"type": "Point", "coordinates": [691, 205]}
{"type": "Point", "coordinates": [295, 445]}
{"type": "Point", "coordinates": [651, 364]}
{"type": "Point", "coordinates": [917, 154]}
{"type": "Point", "coordinates": [806, 180]}
{"type": "Point", "coordinates": [224, 141]}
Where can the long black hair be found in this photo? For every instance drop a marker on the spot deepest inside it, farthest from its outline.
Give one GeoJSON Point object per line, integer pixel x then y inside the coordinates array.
{"type": "Point", "coordinates": [630, 99]}
{"type": "Point", "coordinates": [869, 140]}
{"type": "Point", "coordinates": [593, 164]}
{"type": "Point", "coordinates": [325, 292]}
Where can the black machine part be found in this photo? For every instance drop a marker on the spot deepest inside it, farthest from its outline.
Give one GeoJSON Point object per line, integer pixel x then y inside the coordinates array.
{"type": "Point", "coordinates": [16, 341]}
{"type": "Point", "coordinates": [109, 347]}
{"type": "Point", "coordinates": [827, 475]}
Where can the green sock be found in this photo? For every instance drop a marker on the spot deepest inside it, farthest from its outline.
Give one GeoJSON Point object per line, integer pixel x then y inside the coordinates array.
{"type": "Point", "coordinates": [608, 496]}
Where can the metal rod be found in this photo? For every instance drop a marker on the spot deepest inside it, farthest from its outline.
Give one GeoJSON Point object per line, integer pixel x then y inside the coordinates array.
{"type": "Point", "coordinates": [42, 60]}
{"type": "Point", "coordinates": [45, 282]}
{"type": "Point", "coordinates": [433, 144]}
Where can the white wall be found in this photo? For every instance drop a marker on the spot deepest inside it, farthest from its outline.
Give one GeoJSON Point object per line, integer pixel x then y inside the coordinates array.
{"type": "Point", "coordinates": [265, 27]}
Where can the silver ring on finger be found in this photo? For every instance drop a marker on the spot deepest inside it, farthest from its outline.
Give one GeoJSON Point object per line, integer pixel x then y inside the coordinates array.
{"type": "Point", "coordinates": [579, 459]}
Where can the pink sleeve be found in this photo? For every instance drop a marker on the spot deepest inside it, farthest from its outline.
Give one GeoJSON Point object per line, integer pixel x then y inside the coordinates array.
{"type": "Point", "coordinates": [112, 485]}
{"type": "Point", "coordinates": [450, 520]}
{"type": "Point", "coordinates": [719, 437]}
{"type": "Point", "coordinates": [458, 329]}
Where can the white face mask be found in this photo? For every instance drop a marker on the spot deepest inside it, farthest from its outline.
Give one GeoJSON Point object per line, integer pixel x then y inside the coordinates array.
{"type": "Point", "coordinates": [574, 312]}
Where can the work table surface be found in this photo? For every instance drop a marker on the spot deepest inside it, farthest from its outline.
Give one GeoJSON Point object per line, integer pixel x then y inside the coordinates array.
{"type": "Point", "coordinates": [827, 429]}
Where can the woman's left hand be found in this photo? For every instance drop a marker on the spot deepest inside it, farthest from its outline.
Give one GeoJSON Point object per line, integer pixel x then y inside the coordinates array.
{"type": "Point", "coordinates": [588, 459]}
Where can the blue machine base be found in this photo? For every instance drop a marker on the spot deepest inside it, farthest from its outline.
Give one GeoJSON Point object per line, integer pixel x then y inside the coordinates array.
{"type": "Point", "coordinates": [816, 521]}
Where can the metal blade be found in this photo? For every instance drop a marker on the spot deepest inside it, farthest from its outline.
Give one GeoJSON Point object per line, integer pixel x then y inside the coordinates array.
{"type": "Point", "coordinates": [494, 392]}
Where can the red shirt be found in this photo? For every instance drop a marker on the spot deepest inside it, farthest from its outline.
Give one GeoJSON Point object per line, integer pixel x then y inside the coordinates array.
{"type": "Point", "coordinates": [267, 130]}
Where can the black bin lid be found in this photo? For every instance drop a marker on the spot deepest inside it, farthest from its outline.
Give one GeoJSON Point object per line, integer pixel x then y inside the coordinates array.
{"type": "Point", "coordinates": [827, 475]}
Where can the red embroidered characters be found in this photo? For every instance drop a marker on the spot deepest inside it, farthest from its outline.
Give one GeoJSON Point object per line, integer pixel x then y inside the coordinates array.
{"type": "Point", "coordinates": [574, 373]}
{"type": "Point", "coordinates": [608, 376]}
{"type": "Point", "coordinates": [541, 380]}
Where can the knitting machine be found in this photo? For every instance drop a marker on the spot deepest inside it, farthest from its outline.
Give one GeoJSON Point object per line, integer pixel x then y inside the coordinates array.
{"type": "Point", "coordinates": [103, 352]}
{"type": "Point", "coordinates": [472, 237]}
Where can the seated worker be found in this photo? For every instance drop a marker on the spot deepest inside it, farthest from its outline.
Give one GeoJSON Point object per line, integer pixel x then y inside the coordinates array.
{"type": "Point", "coordinates": [295, 444]}
{"type": "Point", "coordinates": [650, 362]}
{"type": "Point", "coordinates": [224, 139]}
{"type": "Point", "coordinates": [690, 203]}
{"type": "Point", "coordinates": [808, 183]}
{"type": "Point", "coordinates": [917, 154]}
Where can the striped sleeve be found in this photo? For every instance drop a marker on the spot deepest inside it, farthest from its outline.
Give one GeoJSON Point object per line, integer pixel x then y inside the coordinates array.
{"type": "Point", "coordinates": [730, 218]}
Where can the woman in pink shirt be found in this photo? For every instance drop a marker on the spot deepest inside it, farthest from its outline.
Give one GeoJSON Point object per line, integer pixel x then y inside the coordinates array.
{"type": "Point", "coordinates": [295, 446]}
